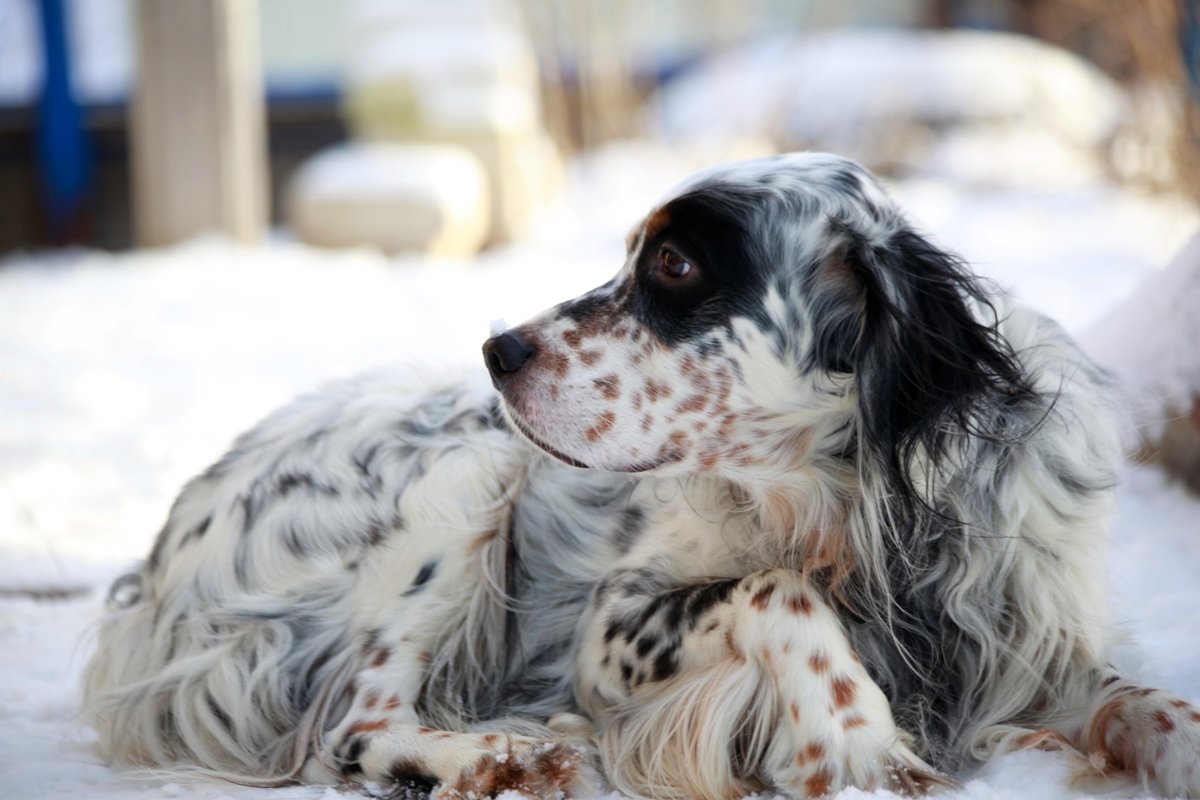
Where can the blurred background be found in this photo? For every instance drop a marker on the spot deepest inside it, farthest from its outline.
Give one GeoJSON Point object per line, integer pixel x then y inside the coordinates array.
{"type": "Point", "coordinates": [209, 206]}
{"type": "Point", "coordinates": [104, 101]}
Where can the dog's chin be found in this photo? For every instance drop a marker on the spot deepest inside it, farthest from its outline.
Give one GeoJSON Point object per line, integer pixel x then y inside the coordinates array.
{"type": "Point", "coordinates": [523, 428]}
{"type": "Point", "coordinates": [526, 431]}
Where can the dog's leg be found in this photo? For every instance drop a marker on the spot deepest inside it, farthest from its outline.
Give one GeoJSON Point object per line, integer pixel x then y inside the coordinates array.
{"type": "Point", "coordinates": [381, 733]}
{"type": "Point", "coordinates": [735, 685]}
{"type": "Point", "coordinates": [381, 739]}
{"type": "Point", "coordinates": [1146, 735]}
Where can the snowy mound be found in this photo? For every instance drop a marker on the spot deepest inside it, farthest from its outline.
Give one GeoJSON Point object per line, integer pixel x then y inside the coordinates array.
{"type": "Point", "coordinates": [898, 98]}
{"type": "Point", "coordinates": [1151, 339]}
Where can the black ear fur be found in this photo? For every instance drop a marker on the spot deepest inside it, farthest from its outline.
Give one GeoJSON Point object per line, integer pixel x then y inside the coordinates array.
{"type": "Point", "coordinates": [927, 368]}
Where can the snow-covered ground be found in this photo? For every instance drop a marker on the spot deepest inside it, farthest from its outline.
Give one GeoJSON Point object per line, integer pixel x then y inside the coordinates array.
{"type": "Point", "coordinates": [122, 375]}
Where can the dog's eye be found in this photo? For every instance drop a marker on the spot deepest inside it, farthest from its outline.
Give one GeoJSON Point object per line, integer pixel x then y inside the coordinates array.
{"type": "Point", "coordinates": [674, 266]}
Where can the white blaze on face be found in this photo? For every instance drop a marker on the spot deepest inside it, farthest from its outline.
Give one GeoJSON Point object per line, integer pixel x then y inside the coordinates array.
{"type": "Point", "coordinates": [603, 392]}
{"type": "Point", "coordinates": [598, 389]}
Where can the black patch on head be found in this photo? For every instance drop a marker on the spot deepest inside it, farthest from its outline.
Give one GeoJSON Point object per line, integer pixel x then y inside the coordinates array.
{"type": "Point", "coordinates": [424, 576]}
{"type": "Point", "coordinates": [710, 228]}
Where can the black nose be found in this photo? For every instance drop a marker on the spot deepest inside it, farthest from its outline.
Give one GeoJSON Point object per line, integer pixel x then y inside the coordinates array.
{"type": "Point", "coordinates": [506, 353]}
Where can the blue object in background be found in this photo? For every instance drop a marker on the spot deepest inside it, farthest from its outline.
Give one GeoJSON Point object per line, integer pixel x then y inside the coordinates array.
{"type": "Point", "coordinates": [1191, 43]}
{"type": "Point", "coordinates": [63, 155]}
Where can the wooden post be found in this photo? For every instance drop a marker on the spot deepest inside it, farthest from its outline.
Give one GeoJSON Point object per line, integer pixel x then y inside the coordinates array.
{"type": "Point", "coordinates": [198, 122]}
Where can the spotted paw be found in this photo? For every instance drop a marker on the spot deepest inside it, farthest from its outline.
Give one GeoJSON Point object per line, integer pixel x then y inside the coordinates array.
{"type": "Point", "coordinates": [534, 768]}
{"type": "Point", "coordinates": [1150, 737]}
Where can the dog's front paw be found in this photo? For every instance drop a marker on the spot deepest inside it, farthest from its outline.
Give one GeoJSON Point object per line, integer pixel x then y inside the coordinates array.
{"type": "Point", "coordinates": [540, 768]}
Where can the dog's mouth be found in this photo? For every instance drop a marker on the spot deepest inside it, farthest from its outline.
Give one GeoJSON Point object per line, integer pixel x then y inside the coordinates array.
{"type": "Point", "coordinates": [538, 442]}
{"type": "Point", "coordinates": [524, 429]}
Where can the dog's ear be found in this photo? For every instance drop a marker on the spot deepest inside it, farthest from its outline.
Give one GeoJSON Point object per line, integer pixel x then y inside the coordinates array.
{"type": "Point", "coordinates": [913, 326]}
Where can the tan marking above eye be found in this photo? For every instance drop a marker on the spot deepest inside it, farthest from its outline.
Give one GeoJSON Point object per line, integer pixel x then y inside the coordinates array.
{"type": "Point", "coordinates": [657, 222]}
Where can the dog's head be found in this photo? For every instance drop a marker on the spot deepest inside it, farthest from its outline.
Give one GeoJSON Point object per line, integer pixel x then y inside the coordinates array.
{"type": "Point", "coordinates": [767, 311]}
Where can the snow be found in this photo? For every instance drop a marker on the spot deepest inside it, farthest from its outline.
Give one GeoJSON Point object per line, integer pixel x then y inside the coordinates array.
{"type": "Point", "coordinates": [124, 374]}
{"type": "Point", "coordinates": [1152, 339]}
{"type": "Point", "coordinates": [971, 103]}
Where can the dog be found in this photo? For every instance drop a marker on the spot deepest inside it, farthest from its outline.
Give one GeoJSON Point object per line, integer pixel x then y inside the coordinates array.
{"type": "Point", "coordinates": [793, 503]}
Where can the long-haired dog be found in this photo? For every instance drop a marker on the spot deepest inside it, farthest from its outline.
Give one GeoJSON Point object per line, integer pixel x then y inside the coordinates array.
{"type": "Point", "coordinates": [792, 503]}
